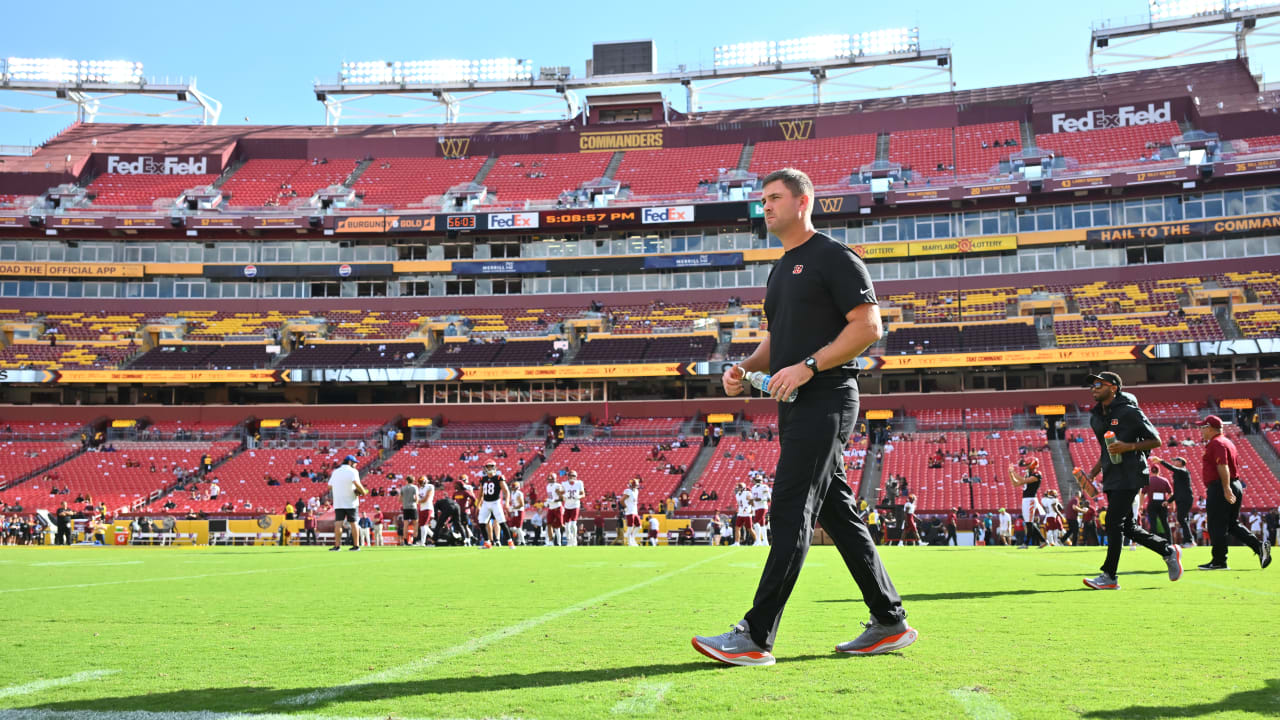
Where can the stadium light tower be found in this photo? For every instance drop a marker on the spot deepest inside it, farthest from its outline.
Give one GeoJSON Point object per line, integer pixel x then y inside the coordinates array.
{"type": "Point", "coordinates": [819, 61]}
{"type": "Point", "coordinates": [1228, 25]}
{"type": "Point", "coordinates": [85, 84]}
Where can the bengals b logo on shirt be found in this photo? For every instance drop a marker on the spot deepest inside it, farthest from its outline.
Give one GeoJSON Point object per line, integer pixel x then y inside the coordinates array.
{"type": "Point", "coordinates": [797, 269]}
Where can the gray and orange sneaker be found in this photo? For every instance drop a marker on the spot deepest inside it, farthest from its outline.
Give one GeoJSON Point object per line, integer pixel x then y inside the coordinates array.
{"type": "Point", "coordinates": [1174, 561]}
{"type": "Point", "coordinates": [878, 638]}
{"type": "Point", "coordinates": [734, 647]}
{"type": "Point", "coordinates": [1103, 582]}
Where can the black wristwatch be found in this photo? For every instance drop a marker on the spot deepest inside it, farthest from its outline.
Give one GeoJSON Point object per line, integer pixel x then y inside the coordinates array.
{"type": "Point", "coordinates": [812, 363]}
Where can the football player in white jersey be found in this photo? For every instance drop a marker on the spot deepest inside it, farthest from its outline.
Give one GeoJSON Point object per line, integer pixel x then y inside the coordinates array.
{"type": "Point", "coordinates": [742, 522]}
{"type": "Point", "coordinates": [426, 509]}
{"type": "Point", "coordinates": [574, 492]}
{"type": "Point", "coordinates": [631, 509]}
{"type": "Point", "coordinates": [761, 494]}
{"type": "Point", "coordinates": [555, 513]}
{"type": "Point", "coordinates": [515, 515]}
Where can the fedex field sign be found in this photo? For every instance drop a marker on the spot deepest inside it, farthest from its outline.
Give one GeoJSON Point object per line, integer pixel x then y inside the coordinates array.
{"type": "Point", "coordinates": [150, 165]}
{"type": "Point", "coordinates": [1126, 116]}
{"type": "Point", "coordinates": [678, 214]}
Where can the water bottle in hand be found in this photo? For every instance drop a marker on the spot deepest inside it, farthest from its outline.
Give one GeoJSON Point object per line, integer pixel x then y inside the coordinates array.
{"type": "Point", "coordinates": [1109, 439]}
{"type": "Point", "coordinates": [760, 381]}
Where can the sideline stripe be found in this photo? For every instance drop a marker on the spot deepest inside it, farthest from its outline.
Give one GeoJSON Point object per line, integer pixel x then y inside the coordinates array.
{"type": "Point", "coordinates": [471, 646]}
{"type": "Point", "coordinates": [38, 685]}
{"type": "Point", "coordinates": [183, 715]}
{"type": "Point", "coordinates": [146, 580]}
{"type": "Point", "coordinates": [645, 701]}
{"type": "Point", "coordinates": [979, 705]}
{"type": "Point", "coordinates": [86, 562]}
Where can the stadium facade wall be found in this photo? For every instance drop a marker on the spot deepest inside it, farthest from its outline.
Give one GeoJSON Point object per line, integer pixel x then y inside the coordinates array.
{"type": "Point", "coordinates": [228, 414]}
{"type": "Point", "coordinates": [442, 305]}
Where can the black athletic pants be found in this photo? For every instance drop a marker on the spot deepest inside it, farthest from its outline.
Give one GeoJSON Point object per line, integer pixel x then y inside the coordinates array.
{"type": "Point", "coordinates": [63, 535]}
{"type": "Point", "coordinates": [1158, 520]}
{"type": "Point", "coordinates": [1120, 525]}
{"type": "Point", "coordinates": [951, 536]}
{"type": "Point", "coordinates": [1184, 512]}
{"type": "Point", "coordinates": [1073, 533]}
{"type": "Point", "coordinates": [811, 486]}
{"type": "Point", "coordinates": [1224, 522]}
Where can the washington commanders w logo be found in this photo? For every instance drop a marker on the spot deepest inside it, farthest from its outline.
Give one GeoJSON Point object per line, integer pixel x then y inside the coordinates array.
{"type": "Point", "coordinates": [796, 129]}
{"type": "Point", "coordinates": [454, 148]}
{"type": "Point", "coordinates": [831, 204]}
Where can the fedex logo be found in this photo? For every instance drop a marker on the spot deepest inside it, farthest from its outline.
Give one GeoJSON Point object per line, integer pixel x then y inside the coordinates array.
{"type": "Point", "coordinates": [1126, 116]}
{"type": "Point", "coordinates": [513, 221]}
{"type": "Point", "coordinates": [680, 213]}
{"type": "Point", "coordinates": [147, 165]}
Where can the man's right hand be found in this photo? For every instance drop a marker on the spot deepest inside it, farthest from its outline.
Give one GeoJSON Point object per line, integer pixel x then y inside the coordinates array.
{"type": "Point", "coordinates": [732, 380]}
{"type": "Point", "coordinates": [1229, 496]}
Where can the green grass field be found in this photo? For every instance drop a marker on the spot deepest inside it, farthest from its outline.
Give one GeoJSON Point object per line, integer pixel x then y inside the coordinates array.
{"type": "Point", "coordinates": [199, 633]}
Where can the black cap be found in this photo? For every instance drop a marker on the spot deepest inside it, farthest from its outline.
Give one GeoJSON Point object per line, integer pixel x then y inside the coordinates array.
{"type": "Point", "coordinates": [1108, 377]}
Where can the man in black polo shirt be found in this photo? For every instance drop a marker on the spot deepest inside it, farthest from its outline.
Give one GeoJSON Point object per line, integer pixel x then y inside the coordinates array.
{"type": "Point", "coordinates": [822, 314]}
{"type": "Point", "coordinates": [1118, 412]}
{"type": "Point", "coordinates": [1182, 495]}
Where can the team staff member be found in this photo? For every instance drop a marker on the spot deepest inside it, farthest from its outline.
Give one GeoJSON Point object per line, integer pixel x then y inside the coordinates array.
{"type": "Point", "coordinates": [409, 508]}
{"type": "Point", "coordinates": [344, 482]}
{"type": "Point", "coordinates": [1224, 495]}
{"type": "Point", "coordinates": [822, 314]}
{"type": "Point", "coordinates": [1157, 492]}
{"type": "Point", "coordinates": [1182, 496]}
{"type": "Point", "coordinates": [1118, 412]}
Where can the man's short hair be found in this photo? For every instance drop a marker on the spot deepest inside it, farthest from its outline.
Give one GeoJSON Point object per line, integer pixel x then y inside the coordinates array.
{"type": "Point", "coordinates": [795, 180]}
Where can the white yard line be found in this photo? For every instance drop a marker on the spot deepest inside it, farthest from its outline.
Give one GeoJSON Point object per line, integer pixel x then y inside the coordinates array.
{"type": "Point", "coordinates": [417, 666]}
{"type": "Point", "coordinates": [979, 705]}
{"type": "Point", "coordinates": [38, 685]}
{"type": "Point", "coordinates": [86, 562]}
{"type": "Point", "coordinates": [645, 701]}
{"type": "Point", "coordinates": [184, 715]}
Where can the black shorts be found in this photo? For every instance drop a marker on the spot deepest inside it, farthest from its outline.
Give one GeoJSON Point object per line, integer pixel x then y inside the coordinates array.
{"type": "Point", "coordinates": [410, 514]}
{"type": "Point", "coordinates": [348, 514]}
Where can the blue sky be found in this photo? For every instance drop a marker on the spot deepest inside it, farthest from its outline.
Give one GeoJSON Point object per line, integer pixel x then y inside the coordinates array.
{"type": "Point", "coordinates": [261, 59]}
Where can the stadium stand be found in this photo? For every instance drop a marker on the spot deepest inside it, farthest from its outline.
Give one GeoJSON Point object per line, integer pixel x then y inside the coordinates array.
{"type": "Point", "coordinates": [123, 479]}
{"type": "Point", "coordinates": [942, 488]}
{"type": "Point", "coordinates": [444, 461]}
{"type": "Point", "coordinates": [606, 467]}
{"type": "Point", "coordinates": [116, 190]}
{"type": "Point", "coordinates": [12, 429]}
{"type": "Point", "coordinates": [264, 182]}
{"type": "Point", "coordinates": [675, 171]}
{"type": "Point", "coordinates": [242, 480]}
{"type": "Point", "coordinates": [213, 357]}
{"type": "Point", "coordinates": [401, 182]}
{"type": "Point", "coordinates": [1110, 145]}
{"type": "Point", "coordinates": [828, 161]}
{"type": "Point", "coordinates": [19, 459]}
{"type": "Point", "coordinates": [44, 356]}
{"type": "Point", "coordinates": [363, 355]}
{"type": "Point", "coordinates": [528, 177]}
{"type": "Point", "coordinates": [1259, 322]}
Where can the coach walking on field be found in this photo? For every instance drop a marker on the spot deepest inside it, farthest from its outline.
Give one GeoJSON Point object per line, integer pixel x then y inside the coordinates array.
{"type": "Point", "coordinates": [822, 314]}
{"type": "Point", "coordinates": [1223, 496]}
{"type": "Point", "coordinates": [1118, 412]}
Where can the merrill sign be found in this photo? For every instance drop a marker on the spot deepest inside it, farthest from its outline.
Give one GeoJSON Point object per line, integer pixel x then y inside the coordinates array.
{"type": "Point", "coordinates": [1127, 116]}
{"type": "Point", "coordinates": [148, 165]}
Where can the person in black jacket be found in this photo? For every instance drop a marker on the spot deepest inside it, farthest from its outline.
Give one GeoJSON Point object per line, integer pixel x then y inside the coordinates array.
{"type": "Point", "coordinates": [1118, 412]}
{"type": "Point", "coordinates": [1182, 495]}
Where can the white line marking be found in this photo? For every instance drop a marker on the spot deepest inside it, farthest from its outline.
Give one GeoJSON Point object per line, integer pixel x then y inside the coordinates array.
{"type": "Point", "coordinates": [412, 668]}
{"type": "Point", "coordinates": [979, 705]}
{"type": "Point", "coordinates": [185, 715]}
{"type": "Point", "coordinates": [86, 562]}
{"type": "Point", "coordinates": [38, 685]}
{"type": "Point", "coordinates": [162, 579]}
{"type": "Point", "coordinates": [645, 701]}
